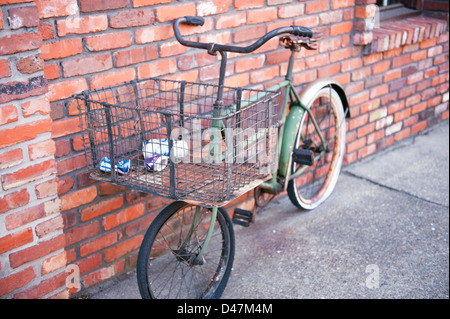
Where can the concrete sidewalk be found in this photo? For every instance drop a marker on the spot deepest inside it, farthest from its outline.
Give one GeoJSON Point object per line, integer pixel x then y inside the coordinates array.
{"type": "Point", "coordinates": [384, 233]}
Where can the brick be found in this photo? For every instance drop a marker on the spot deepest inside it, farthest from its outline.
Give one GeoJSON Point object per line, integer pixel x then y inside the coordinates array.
{"type": "Point", "coordinates": [341, 28]}
{"type": "Point", "coordinates": [46, 30]}
{"type": "Point", "coordinates": [392, 75]}
{"type": "Point", "coordinates": [377, 114]}
{"type": "Point", "coordinates": [358, 121]}
{"type": "Point", "coordinates": [28, 174]}
{"type": "Point", "coordinates": [51, 71]}
{"type": "Point", "coordinates": [108, 41]}
{"type": "Point", "coordinates": [250, 63]}
{"type": "Point", "coordinates": [139, 226]}
{"type": "Point", "coordinates": [58, 8]}
{"type": "Point", "coordinates": [189, 76]}
{"type": "Point", "coordinates": [419, 127]}
{"type": "Point", "coordinates": [65, 184]}
{"type": "Point", "coordinates": [123, 248]}
{"type": "Point", "coordinates": [171, 12]}
{"type": "Point", "coordinates": [86, 65]}
{"type": "Point", "coordinates": [46, 189]}
{"type": "Point", "coordinates": [8, 114]}
{"type": "Point", "coordinates": [212, 7]}
{"type": "Point", "coordinates": [365, 130]}
{"type": "Point", "coordinates": [351, 64]}
{"type": "Point", "coordinates": [78, 198]}
{"type": "Point", "coordinates": [58, 261]}
{"type": "Point", "coordinates": [134, 18]}
{"type": "Point", "coordinates": [84, 179]}
{"type": "Point", "coordinates": [261, 15]}
{"type": "Point", "coordinates": [30, 64]}
{"type": "Point", "coordinates": [20, 90]}
{"type": "Point", "coordinates": [14, 200]}
{"type": "Point", "coordinates": [24, 132]}
{"type": "Point", "coordinates": [65, 127]}
{"type": "Point", "coordinates": [82, 25]}
{"type": "Point", "coordinates": [249, 33]}
{"type": "Point", "coordinates": [231, 21]}
{"type": "Point", "coordinates": [143, 3]}
{"type": "Point", "coordinates": [61, 49]}
{"type": "Point", "coordinates": [21, 17]}
{"type": "Point", "coordinates": [112, 78]}
{"type": "Point", "coordinates": [44, 287]}
{"type": "Point", "coordinates": [414, 78]}
{"type": "Point", "coordinates": [15, 240]}
{"type": "Point", "coordinates": [339, 4]}
{"type": "Point", "coordinates": [317, 6]}
{"type": "Point", "coordinates": [41, 149]}
{"type": "Point", "coordinates": [123, 216]}
{"type": "Point", "coordinates": [90, 6]}
{"type": "Point", "coordinates": [154, 34]}
{"type": "Point", "coordinates": [402, 134]}
{"type": "Point", "coordinates": [81, 232]}
{"type": "Point", "coordinates": [5, 69]}
{"type": "Point", "coordinates": [401, 61]}
{"type": "Point", "coordinates": [14, 43]}
{"type": "Point", "coordinates": [379, 91]}
{"type": "Point", "coordinates": [65, 89]}
{"type": "Point", "coordinates": [135, 196]}
{"type": "Point", "coordinates": [394, 128]}
{"type": "Point", "coordinates": [134, 56]}
{"type": "Point", "coordinates": [100, 243]}
{"type": "Point", "coordinates": [51, 225]}
{"type": "Point", "coordinates": [158, 68]}
{"type": "Point", "coordinates": [194, 61]}
{"type": "Point", "coordinates": [291, 11]}
{"type": "Point", "coordinates": [70, 164]}
{"type": "Point", "coordinates": [356, 145]}
{"type": "Point", "coordinates": [104, 273]}
{"type": "Point", "coordinates": [381, 67]}
{"type": "Point", "coordinates": [40, 105]}
{"type": "Point", "coordinates": [106, 189]}
{"type": "Point", "coordinates": [24, 216]}
{"type": "Point", "coordinates": [16, 280]}
{"type": "Point", "coordinates": [248, 4]}
{"type": "Point", "coordinates": [11, 158]}
{"type": "Point", "coordinates": [101, 208]}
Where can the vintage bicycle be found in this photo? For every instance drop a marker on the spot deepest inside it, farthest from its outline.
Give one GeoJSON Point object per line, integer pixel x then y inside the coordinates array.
{"type": "Point", "coordinates": [204, 145]}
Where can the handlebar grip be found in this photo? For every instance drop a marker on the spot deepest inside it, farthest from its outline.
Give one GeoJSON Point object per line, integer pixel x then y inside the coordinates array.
{"type": "Point", "coordinates": [194, 21]}
{"type": "Point", "coordinates": [302, 31]}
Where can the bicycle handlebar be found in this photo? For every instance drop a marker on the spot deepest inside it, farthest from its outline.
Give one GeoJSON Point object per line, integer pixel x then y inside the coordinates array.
{"type": "Point", "coordinates": [213, 47]}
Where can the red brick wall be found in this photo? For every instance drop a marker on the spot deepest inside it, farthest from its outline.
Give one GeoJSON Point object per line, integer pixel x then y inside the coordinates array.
{"type": "Point", "coordinates": [52, 215]}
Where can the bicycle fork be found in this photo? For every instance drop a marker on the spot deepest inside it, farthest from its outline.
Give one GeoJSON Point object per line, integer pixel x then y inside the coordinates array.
{"type": "Point", "coordinates": [197, 259]}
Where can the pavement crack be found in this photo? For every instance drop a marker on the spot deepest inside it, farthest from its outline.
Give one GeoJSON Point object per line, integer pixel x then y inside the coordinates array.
{"type": "Point", "coordinates": [392, 188]}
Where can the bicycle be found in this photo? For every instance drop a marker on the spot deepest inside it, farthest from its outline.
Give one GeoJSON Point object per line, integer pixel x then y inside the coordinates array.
{"type": "Point", "coordinates": [203, 145]}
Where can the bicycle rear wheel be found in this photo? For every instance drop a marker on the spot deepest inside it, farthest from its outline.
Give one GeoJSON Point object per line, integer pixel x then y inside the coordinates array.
{"type": "Point", "coordinates": [168, 267]}
{"type": "Point", "coordinates": [317, 182]}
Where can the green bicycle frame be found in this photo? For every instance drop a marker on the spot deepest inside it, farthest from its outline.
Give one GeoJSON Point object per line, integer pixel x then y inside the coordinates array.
{"type": "Point", "coordinates": [287, 134]}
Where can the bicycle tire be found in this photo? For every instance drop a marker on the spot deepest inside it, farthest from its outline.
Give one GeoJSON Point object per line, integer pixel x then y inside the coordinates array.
{"type": "Point", "coordinates": [166, 271]}
{"type": "Point", "coordinates": [318, 181]}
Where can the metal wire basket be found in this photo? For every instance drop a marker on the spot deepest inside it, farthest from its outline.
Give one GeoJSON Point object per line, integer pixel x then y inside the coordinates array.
{"type": "Point", "coordinates": [180, 140]}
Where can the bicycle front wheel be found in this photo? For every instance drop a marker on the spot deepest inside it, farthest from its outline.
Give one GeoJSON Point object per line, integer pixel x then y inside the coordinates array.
{"type": "Point", "coordinates": [169, 266]}
{"type": "Point", "coordinates": [313, 184]}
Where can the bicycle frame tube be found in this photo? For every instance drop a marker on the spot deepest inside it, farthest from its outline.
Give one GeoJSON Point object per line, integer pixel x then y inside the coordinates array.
{"type": "Point", "coordinates": [194, 224]}
{"type": "Point", "coordinates": [210, 231]}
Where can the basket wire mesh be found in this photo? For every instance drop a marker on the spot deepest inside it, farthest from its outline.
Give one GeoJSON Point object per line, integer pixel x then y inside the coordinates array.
{"type": "Point", "coordinates": [176, 140]}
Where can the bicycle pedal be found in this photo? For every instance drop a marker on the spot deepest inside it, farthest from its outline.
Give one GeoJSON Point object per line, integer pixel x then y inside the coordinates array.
{"type": "Point", "coordinates": [242, 217]}
{"type": "Point", "coordinates": [303, 156]}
